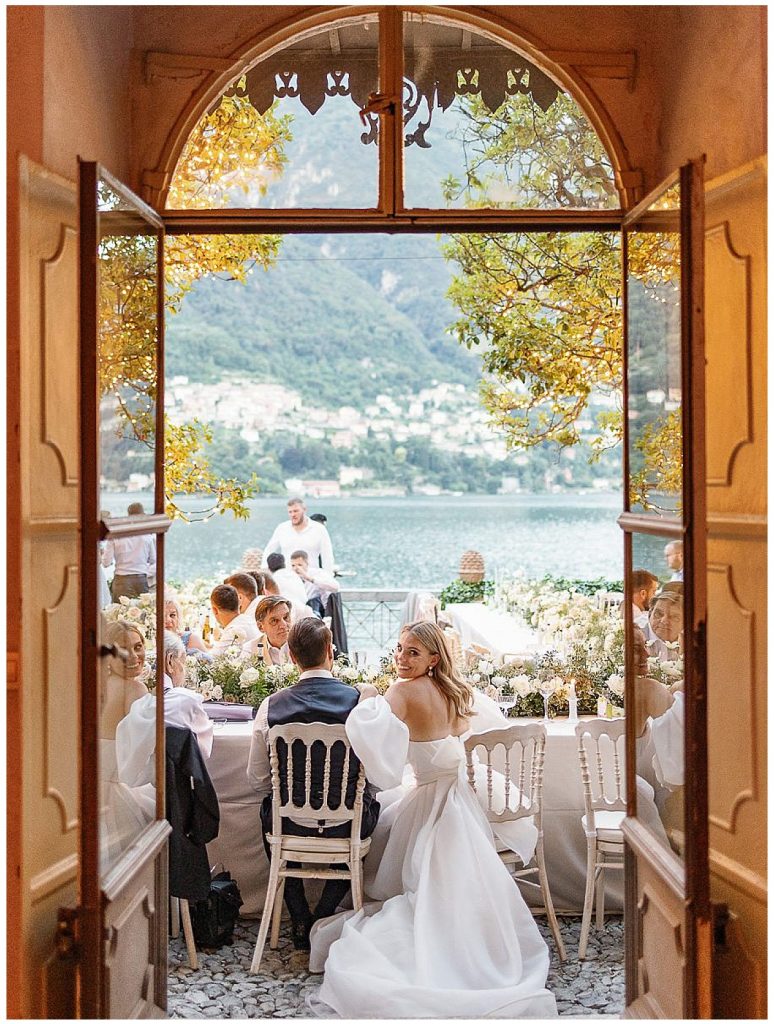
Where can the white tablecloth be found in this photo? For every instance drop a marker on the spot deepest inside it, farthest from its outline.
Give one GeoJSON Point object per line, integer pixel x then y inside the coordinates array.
{"type": "Point", "coordinates": [240, 848]}
{"type": "Point", "coordinates": [498, 631]}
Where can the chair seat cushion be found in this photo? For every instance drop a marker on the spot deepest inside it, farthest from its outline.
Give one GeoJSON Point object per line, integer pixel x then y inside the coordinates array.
{"type": "Point", "coordinates": [608, 824]}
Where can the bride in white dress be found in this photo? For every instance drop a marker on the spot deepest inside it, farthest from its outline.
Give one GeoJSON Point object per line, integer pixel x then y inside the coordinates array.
{"type": "Point", "coordinates": [450, 935]}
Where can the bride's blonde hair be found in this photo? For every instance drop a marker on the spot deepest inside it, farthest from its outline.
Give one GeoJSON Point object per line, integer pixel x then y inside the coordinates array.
{"type": "Point", "coordinates": [455, 691]}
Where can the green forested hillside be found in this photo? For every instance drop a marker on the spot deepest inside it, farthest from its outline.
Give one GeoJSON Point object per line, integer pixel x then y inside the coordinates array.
{"type": "Point", "coordinates": [340, 331]}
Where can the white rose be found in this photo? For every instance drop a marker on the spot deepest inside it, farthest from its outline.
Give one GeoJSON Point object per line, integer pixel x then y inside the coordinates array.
{"type": "Point", "coordinates": [350, 674]}
{"type": "Point", "coordinates": [124, 600]}
{"type": "Point", "coordinates": [617, 684]}
{"type": "Point", "coordinates": [134, 614]}
{"type": "Point", "coordinates": [248, 677]}
{"type": "Point", "coordinates": [672, 669]}
{"type": "Point", "coordinates": [474, 678]}
{"type": "Point", "coordinates": [217, 692]}
{"type": "Point", "coordinates": [522, 685]}
{"type": "Point", "coordinates": [499, 681]}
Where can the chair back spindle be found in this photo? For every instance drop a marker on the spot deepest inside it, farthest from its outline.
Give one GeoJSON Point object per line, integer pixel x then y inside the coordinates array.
{"type": "Point", "coordinates": [520, 762]}
{"type": "Point", "coordinates": [329, 747]}
{"type": "Point", "coordinates": [601, 752]}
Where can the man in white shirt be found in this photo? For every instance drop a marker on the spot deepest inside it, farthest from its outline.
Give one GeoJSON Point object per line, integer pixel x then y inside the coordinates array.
{"type": "Point", "coordinates": [673, 553]}
{"type": "Point", "coordinates": [644, 587]}
{"type": "Point", "coordinates": [247, 591]}
{"type": "Point", "coordinates": [237, 629]}
{"type": "Point", "coordinates": [317, 582]}
{"type": "Point", "coordinates": [135, 560]}
{"type": "Point", "coordinates": [301, 532]}
{"type": "Point", "coordinates": [289, 584]}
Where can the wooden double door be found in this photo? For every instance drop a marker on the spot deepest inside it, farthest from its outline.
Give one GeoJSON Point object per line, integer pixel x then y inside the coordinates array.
{"type": "Point", "coordinates": [119, 929]}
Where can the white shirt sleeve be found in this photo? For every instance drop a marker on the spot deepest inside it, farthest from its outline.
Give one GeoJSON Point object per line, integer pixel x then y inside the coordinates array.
{"type": "Point", "coordinates": [324, 580]}
{"type": "Point", "coordinates": [380, 740]}
{"type": "Point", "coordinates": [272, 545]}
{"type": "Point", "coordinates": [108, 556]}
{"type": "Point", "coordinates": [233, 635]}
{"type": "Point", "coordinates": [258, 766]}
{"type": "Point", "coordinates": [151, 556]}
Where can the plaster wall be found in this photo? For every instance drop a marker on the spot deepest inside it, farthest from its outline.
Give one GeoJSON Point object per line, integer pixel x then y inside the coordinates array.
{"type": "Point", "coordinates": [87, 110]}
{"type": "Point", "coordinates": [710, 70]}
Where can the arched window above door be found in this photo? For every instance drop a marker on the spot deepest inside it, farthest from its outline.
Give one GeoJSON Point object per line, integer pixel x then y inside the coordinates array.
{"type": "Point", "coordinates": [306, 126]}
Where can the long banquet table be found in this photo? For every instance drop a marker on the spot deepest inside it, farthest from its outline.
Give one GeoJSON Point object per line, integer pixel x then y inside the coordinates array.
{"type": "Point", "coordinates": [498, 631]}
{"type": "Point", "coordinates": [240, 849]}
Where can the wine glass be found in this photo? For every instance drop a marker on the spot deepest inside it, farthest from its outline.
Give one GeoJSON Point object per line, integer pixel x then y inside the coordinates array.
{"type": "Point", "coordinates": [546, 689]}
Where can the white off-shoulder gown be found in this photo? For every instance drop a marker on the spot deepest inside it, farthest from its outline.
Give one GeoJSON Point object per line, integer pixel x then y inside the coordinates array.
{"type": "Point", "coordinates": [449, 934]}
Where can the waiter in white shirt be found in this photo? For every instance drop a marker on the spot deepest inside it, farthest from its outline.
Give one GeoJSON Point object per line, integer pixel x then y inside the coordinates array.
{"type": "Point", "coordinates": [301, 532]}
{"type": "Point", "coordinates": [135, 559]}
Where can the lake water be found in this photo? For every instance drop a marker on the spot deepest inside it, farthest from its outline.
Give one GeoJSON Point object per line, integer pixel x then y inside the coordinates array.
{"type": "Point", "coordinates": [418, 541]}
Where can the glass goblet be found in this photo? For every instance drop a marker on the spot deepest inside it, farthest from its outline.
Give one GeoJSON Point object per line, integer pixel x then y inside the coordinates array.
{"type": "Point", "coordinates": [546, 690]}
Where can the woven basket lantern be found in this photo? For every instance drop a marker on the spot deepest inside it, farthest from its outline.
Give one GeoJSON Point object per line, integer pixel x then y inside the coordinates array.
{"type": "Point", "coordinates": [251, 559]}
{"type": "Point", "coordinates": [472, 567]}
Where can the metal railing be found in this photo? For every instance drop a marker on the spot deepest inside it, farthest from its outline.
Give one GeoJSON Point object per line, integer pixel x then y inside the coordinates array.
{"type": "Point", "coordinates": [372, 618]}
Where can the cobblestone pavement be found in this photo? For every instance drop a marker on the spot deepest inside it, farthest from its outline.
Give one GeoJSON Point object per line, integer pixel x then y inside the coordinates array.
{"type": "Point", "coordinates": [222, 987]}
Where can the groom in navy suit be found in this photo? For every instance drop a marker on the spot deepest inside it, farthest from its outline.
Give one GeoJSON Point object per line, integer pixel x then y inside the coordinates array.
{"type": "Point", "coordinates": [317, 697]}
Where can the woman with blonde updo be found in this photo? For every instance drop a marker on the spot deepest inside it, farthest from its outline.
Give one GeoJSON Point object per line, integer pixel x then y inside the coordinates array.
{"type": "Point", "coordinates": [448, 933]}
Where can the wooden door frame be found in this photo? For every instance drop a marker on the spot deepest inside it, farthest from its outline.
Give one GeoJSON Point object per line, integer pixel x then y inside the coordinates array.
{"type": "Point", "coordinates": [688, 880]}
{"type": "Point", "coordinates": [96, 892]}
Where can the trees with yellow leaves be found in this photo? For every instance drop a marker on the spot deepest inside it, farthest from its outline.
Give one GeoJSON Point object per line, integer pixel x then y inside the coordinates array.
{"type": "Point", "coordinates": [233, 150]}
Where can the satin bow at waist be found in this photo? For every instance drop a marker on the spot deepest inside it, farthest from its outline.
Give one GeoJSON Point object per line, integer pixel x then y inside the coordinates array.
{"type": "Point", "coordinates": [434, 774]}
{"type": "Point", "coordinates": [445, 763]}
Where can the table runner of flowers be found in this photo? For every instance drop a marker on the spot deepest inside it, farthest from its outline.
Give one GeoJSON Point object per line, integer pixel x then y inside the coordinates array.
{"type": "Point", "coordinates": [581, 636]}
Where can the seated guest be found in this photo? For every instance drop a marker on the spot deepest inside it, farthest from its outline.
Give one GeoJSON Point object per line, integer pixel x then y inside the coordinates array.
{"type": "Point", "coordinates": [192, 642]}
{"type": "Point", "coordinates": [273, 616]}
{"type": "Point", "coordinates": [316, 697]}
{"type": "Point", "coordinates": [290, 586]}
{"type": "Point", "coordinates": [237, 629]}
{"type": "Point", "coordinates": [644, 587]}
{"type": "Point", "coordinates": [318, 583]}
{"type": "Point", "coordinates": [247, 589]}
{"type": "Point", "coordinates": [666, 625]}
{"type": "Point", "coordinates": [124, 682]}
{"type": "Point", "coordinates": [260, 576]}
{"type": "Point", "coordinates": [136, 733]}
{"type": "Point", "coordinates": [267, 586]}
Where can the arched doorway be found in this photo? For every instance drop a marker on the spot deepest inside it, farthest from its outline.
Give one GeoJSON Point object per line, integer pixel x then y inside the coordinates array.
{"type": "Point", "coordinates": [394, 207]}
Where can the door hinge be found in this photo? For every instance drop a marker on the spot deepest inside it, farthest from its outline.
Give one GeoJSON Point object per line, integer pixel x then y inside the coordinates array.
{"type": "Point", "coordinates": [720, 919]}
{"type": "Point", "coordinates": [67, 939]}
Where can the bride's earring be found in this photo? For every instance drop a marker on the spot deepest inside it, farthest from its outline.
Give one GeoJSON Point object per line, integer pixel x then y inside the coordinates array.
{"type": "Point", "coordinates": [430, 671]}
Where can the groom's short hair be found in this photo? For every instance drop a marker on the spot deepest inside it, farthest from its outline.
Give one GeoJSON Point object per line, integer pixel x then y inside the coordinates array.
{"type": "Point", "coordinates": [308, 642]}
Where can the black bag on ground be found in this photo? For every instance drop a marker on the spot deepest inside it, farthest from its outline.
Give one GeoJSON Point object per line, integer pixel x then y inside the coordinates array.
{"type": "Point", "coordinates": [213, 919]}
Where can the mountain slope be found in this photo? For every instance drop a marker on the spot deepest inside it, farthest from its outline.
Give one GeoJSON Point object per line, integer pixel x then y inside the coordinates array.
{"type": "Point", "coordinates": [316, 325]}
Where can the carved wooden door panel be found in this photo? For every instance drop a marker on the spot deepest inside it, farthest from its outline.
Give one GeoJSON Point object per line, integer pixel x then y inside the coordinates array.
{"type": "Point", "coordinates": [668, 930]}
{"type": "Point", "coordinates": [122, 913]}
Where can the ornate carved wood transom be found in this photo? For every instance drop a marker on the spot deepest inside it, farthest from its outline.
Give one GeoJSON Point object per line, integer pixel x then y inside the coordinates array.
{"type": "Point", "coordinates": [434, 77]}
